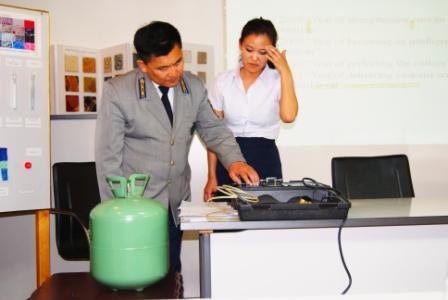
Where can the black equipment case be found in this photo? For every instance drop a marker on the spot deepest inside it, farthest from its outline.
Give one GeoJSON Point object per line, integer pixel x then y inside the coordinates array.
{"type": "Point", "coordinates": [304, 199]}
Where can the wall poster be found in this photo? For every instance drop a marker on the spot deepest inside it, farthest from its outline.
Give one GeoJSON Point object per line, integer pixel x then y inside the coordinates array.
{"type": "Point", "coordinates": [78, 76]}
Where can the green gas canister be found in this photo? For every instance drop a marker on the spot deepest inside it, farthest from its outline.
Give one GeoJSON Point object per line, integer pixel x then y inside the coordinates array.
{"type": "Point", "coordinates": [129, 236]}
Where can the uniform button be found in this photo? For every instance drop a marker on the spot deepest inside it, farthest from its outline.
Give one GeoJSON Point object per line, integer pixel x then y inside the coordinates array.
{"type": "Point", "coordinates": [169, 181]}
{"type": "Point", "coordinates": [172, 162]}
{"type": "Point", "coordinates": [172, 142]}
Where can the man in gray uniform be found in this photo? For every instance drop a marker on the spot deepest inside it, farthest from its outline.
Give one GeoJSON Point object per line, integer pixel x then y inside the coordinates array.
{"type": "Point", "coordinates": [146, 125]}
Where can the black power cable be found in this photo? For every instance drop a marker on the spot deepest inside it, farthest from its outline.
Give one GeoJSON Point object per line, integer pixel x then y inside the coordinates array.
{"type": "Point", "coordinates": [343, 259]}
{"type": "Point", "coordinates": [311, 183]}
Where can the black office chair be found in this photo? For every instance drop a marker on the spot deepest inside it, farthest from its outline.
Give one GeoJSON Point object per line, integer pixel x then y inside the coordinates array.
{"type": "Point", "coordinates": [371, 177]}
{"type": "Point", "coordinates": [75, 191]}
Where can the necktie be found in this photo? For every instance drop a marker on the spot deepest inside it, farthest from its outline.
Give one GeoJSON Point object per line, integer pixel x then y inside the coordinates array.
{"type": "Point", "coordinates": [166, 102]}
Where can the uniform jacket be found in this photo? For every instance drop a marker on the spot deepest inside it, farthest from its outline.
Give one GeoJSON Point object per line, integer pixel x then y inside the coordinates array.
{"type": "Point", "coordinates": [134, 135]}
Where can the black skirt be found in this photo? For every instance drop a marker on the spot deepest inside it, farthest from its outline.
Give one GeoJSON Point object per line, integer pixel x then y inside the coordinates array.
{"type": "Point", "coordinates": [260, 153]}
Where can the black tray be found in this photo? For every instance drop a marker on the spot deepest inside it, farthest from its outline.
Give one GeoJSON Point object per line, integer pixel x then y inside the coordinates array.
{"type": "Point", "coordinates": [296, 200]}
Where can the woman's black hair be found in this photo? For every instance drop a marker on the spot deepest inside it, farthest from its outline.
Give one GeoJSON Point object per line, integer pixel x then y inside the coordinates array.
{"type": "Point", "coordinates": [156, 39]}
{"type": "Point", "coordinates": [260, 26]}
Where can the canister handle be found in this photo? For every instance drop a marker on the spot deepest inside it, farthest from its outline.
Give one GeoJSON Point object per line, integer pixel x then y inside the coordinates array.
{"type": "Point", "coordinates": [118, 186]}
{"type": "Point", "coordinates": [137, 184]}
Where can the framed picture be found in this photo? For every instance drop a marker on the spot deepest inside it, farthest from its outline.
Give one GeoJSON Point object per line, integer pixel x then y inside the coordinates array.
{"type": "Point", "coordinates": [75, 80]}
{"type": "Point", "coordinates": [78, 76]}
{"type": "Point", "coordinates": [116, 60]}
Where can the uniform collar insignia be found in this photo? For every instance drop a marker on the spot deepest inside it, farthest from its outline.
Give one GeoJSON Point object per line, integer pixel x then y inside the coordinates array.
{"type": "Point", "coordinates": [184, 87]}
{"type": "Point", "coordinates": [141, 88]}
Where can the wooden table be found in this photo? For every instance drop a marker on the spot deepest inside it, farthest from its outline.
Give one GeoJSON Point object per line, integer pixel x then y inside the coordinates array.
{"type": "Point", "coordinates": [83, 286]}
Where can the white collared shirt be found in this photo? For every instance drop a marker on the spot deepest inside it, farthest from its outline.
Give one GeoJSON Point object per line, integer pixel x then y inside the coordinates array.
{"type": "Point", "coordinates": [170, 94]}
{"type": "Point", "coordinates": [252, 114]}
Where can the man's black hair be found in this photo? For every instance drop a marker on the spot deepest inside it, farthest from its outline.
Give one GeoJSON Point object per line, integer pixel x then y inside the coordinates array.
{"type": "Point", "coordinates": [156, 39]}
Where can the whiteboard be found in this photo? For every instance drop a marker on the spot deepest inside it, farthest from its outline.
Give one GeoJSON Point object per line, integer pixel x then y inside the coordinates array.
{"type": "Point", "coordinates": [24, 110]}
{"type": "Point", "coordinates": [366, 72]}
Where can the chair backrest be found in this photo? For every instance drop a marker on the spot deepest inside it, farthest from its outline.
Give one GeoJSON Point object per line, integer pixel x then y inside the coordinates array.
{"type": "Point", "coordinates": [76, 190]}
{"type": "Point", "coordinates": [370, 177]}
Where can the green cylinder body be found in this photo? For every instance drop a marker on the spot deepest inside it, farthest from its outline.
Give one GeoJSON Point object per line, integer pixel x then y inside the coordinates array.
{"type": "Point", "coordinates": [129, 238]}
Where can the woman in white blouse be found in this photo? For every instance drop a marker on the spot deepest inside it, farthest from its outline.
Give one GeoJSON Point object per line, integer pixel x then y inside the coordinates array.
{"type": "Point", "coordinates": [253, 99]}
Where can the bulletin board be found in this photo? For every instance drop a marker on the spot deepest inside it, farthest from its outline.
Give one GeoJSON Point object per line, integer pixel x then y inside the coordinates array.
{"type": "Point", "coordinates": [24, 109]}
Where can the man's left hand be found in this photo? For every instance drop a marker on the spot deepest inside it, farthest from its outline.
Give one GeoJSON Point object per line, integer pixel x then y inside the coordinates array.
{"type": "Point", "coordinates": [241, 172]}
